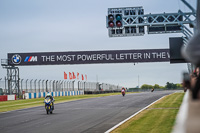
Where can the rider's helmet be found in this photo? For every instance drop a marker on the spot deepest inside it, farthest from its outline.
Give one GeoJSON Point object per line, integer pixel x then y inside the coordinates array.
{"type": "Point", "coordinates": [48, 94]}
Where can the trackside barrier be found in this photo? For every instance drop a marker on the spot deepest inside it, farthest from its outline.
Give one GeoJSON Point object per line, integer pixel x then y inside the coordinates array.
{"type": "Point", "coordinates": [7, 97]}
{"type": "Point", "coordinates": [54, 94]}
{"type": "Point", "coordinates": [180, 124]}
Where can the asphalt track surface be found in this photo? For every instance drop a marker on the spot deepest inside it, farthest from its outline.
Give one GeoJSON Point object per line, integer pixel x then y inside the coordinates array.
{"type": "Point", "coordinates": [95, 115]}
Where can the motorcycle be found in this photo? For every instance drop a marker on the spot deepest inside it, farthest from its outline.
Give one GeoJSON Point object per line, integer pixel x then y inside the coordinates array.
{"type": "Point", "coordinates": [123, 93]}
{"type": "Point", "coordinates": [152, 90]}
{"type": "Point", "coordinates": [48, 105]}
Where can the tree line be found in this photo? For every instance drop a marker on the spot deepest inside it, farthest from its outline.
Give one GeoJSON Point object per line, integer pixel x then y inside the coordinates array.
{"type": "Point", "coordinates": [167, 86]}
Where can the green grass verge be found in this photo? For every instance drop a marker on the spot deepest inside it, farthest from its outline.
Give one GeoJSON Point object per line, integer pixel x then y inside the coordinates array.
{"type": "Point", "coordinates": [158, 118]}
{"type": "Point", "coordinates": [21, 104]}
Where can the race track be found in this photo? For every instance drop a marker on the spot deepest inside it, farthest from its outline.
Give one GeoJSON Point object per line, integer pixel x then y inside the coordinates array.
{"type": "Point", "coordinates": [95, 115]}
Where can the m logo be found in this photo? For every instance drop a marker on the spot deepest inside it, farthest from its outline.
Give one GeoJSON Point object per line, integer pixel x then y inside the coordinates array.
{"type": "Point", "coordinates": [31, 59]}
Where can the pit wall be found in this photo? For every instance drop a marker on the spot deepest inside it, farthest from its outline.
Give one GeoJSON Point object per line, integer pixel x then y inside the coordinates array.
{"type": "Point", "coordinates": [54, 94]}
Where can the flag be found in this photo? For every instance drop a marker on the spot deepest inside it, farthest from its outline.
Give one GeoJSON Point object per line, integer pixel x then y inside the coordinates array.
{"type": "Point", "coordinates": [77, 76]}
{"type": "Point", "coordinates": [85, 77]}
{"type": "Point", "coordinates": [74, 76]}
{"type": "Point", "coordinates": [82, 77]}
{"type": "Point", "coordinates": [70, 75]}
{"type": "Point", "coordinates": [65, 75]}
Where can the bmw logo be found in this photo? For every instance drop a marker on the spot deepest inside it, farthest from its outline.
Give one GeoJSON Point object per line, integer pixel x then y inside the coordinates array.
{"type": "Point", "coordinates": [16, 59]}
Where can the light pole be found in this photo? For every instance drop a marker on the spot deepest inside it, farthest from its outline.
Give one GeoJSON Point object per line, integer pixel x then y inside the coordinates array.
{"type": "Point", "coordinates": [21, 83]}
{"type": "Point", "coordinates": [56, 85]}
{"type": "Point", "coordinates": [26, 85]}
{"type": "Point", "coordinates": [31, 84]}
{"type": "Point", "coordinates": [35, 85]}
{"type": "Point", "coordinates": [138, 81]}
{"type": "Point", "coordinates": [64, 84]}
{"type": "Point", "coordinates": [78, 84]}
{"type": "Point", "coordinates": [68, 85]}
{"type": "Point", "coordinates": [50, 85]}
{"type": "Point", "coordinates": [53, 85]}
{"type": "Point", "coordinates": [46, 86]}
{"type": "Point", "coordinates": [39, 85]}
{"type": "Point", "coordinates": [43, 85]}
{"type": "Point", "coordinates": [73, 84]}
{"type": "Point", "coordinates": [84, 85]}
{"type": "Point", "coordinates": [59, 85]}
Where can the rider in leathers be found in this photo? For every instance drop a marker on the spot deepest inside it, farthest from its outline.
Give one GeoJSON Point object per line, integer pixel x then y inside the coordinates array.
{"type": "Point", "coordinates": [52, 99]}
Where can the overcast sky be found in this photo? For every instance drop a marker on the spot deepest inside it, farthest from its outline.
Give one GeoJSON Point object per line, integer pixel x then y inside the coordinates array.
{"type": "Point", "coordinates": [80, 25]}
